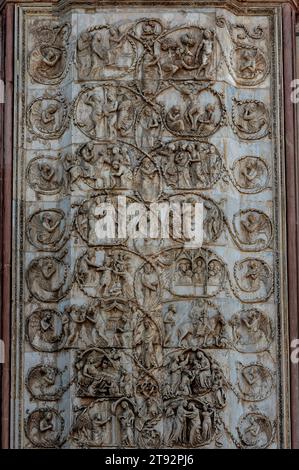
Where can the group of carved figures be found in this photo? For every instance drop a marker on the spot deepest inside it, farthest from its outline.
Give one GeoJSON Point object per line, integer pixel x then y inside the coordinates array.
{"type": "Point", "coordinates": [142, 326]}
{"type": "Point", "coordinates": [179, 165]}
{"type": "Point", "coordinates": [115, 111]}
{"type": "Point", "coordinates": [148, 51]}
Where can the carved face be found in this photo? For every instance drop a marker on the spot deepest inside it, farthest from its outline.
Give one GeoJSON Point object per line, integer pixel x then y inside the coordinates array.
{"type": "Point", "coordinates": [85, 36]}
{"type": "Point", "coordinates": [48, 416]}
{"type": "Point", "coordinates": [48, 219]}
{"type": "Point", "coordinates": [51, 54]}
{"type": "Point", "coordinates": [175, 110]}
{"type": "Point", "coordinates": [210, 108]}
{"type": "Point", "coordinates": [149, 28]}
{"type": "Point", "coordinates": [46, 170]}
{"type": "Point", "coordinates": [187, 40]}
{"type": "Point", "coordinates": [87, 152]}
{"type": "Point", "coordinates": [105, 364]}
{"type": "Point", "coordinates": [91, 254]}
{"type": "Point", "coordinates": [48, 268]}
{"type": "Point", "coordinates": [115, 165]}
{"type": "Point", "coordinates": [208, 34]}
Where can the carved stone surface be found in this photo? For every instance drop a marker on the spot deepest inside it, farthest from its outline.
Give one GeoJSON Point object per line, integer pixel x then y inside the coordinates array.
{"type": "Point", "coordinates": [149, 343]}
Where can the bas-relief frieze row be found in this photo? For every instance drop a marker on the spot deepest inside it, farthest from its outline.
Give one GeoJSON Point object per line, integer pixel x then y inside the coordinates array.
{"type": "Point", "coordinates": [153, 344]}
{"type": "Point", "coordinates": [122, 114]}
{"type": "Point", "coordinates": [151, 52]}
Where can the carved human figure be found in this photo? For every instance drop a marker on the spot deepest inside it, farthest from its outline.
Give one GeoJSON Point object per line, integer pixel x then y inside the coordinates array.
{"type": "Point", "coordinates": [99, 50]}
{"type": "Point", "coordinates": [251, 330]}
{"type": "Point", "coordinates": [184, 272]}
{"type": "Point", "coordinates": [201, 323]}
{"type": "Point", "coordinates": [48, 60]}
{"type": "Point", "coordinates": [175, 120]}
{"type": "Point", "coordinates": [47, 327]}
{"type": "Point", "coordinates": [177, 365]}
{"type": "Point", "coordinates": [99, 427]}
{"type": "Point", "coordinates": [96, 318]}
{"type": "Point", "coordinates": [94, 124]}
{"type": "Point", "coordinates": [44, 428]}
{"type": "Point", "coordinates": [114, 44]}
{"type": "Point", "coordinates": [206, 423]}
{"type": "Point", "coordinates": [146, 342]}
{"type": "Point", "coordinates": [46, 423]}
{"type": "Point", "coordinates": [149, 283]}
{"type": "Point", "coordinates": [187, 43]}
{"type": "Point", "coordinates": [120, 172]}
{"type": "Point", "coordinates": [126, 418]}
{"type": "Point", "coordinates": [125, 114]}
{"type": "Point", "coordinates": [84, 54]}
{"type": "Point", "coordinates": [169, 64]}
{"type": "Point", "coordinates": [147, 180]}
{"type": "Point", "coordinates": [96, 375]}
{"type": "Point", "coordinates": [76, 319]}
{"type": "Point", "coordinates": [123, 281]}
{"type": "Point", "coordinates": [253, 274]}
{"type": "Point", "coordinates": [150, 126]}
{"type": "Point", "coordinates": [201, 371]}
{"type": "Point", "coordinates": [214, 272]}
{"type": "Point", "coordinates": [49, 231]}
{"type": "Point", "coordinates": [255, 381]}
{"type": "Point", "coordinates": [185, 385]}
{"type": "Point", "coordinates": [169, 323]}
{"type": "Point", "coordinates": [110, 109]}
{"type": "Point", "coordinates": [182, 161]}
{"type": "Point", "coordinates": [212, 220]}
{"type": "Point", "coordinates": [252, 432]}
{"type": "Point", "coordinates": [45, 278]}
{"type": "Point", "coordinates": [125, 384]}
{"type": "Point", "coordinates": [195, 424]}
{"type": "Point", "coordinates": [204, 54]}
{"type": "Point", "coordinates": [206, 120]}
{"type": "Point", "coordinates": [88, 267]}
{"type": "Point", "coordinates": [252, 118]}
{"type": "Point", "coordinates": [218, 385]}
{"type": "Point", "coordinates": [45, 382]}
{"type": "Point", "coordinates": [47, 171]}
{"type": "Point", "coordinates": [249, 172]}
{"type": "Point", "coordinates": [149, 73]}
{"type": "Point", "coordinates": [179, 434]}
{"type": "Point", "coordinates": [46, 116]}
{"type": "Point", "coordinates": [250, 62]}
{"type": "Point", "coordinates": [254, 224]}
{"type": "Point", "coordinates": [106, 271]}
{"type": "Point", "coordinates": [123, 331]}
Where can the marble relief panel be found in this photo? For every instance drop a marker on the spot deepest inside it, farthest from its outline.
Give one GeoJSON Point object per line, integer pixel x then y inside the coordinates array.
{"type": "Point", "coordinates": [147, 343]}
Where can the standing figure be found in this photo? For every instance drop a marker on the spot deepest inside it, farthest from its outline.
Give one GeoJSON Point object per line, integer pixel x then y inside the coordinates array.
{"type": "Point", "coordinates": [149, 283]}
{"type": "Point", "coordinates": [84, 54]}
{"type": "Point", "coordinates": [179, 434]}
{"type": "Point", "coordinates": [110, 112]}
{"type": "Point", "coordinates": [204, 55]}
{"type": "Point", "coordinates": [206, 424]}
{"type": "Point", "coordinates": [126, 419]}
{"type": "Point", "coordinates": [150, 128]}
{"type": "Point", "coordinates": [169, 323]}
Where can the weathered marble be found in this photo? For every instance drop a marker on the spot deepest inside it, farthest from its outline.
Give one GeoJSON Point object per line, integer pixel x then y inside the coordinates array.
{"type": "Point", "coordinates": [136, 344]}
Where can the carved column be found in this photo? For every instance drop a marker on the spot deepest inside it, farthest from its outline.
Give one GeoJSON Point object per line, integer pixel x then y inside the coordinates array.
{"type": "Point", "coordinates": [133, 343]}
